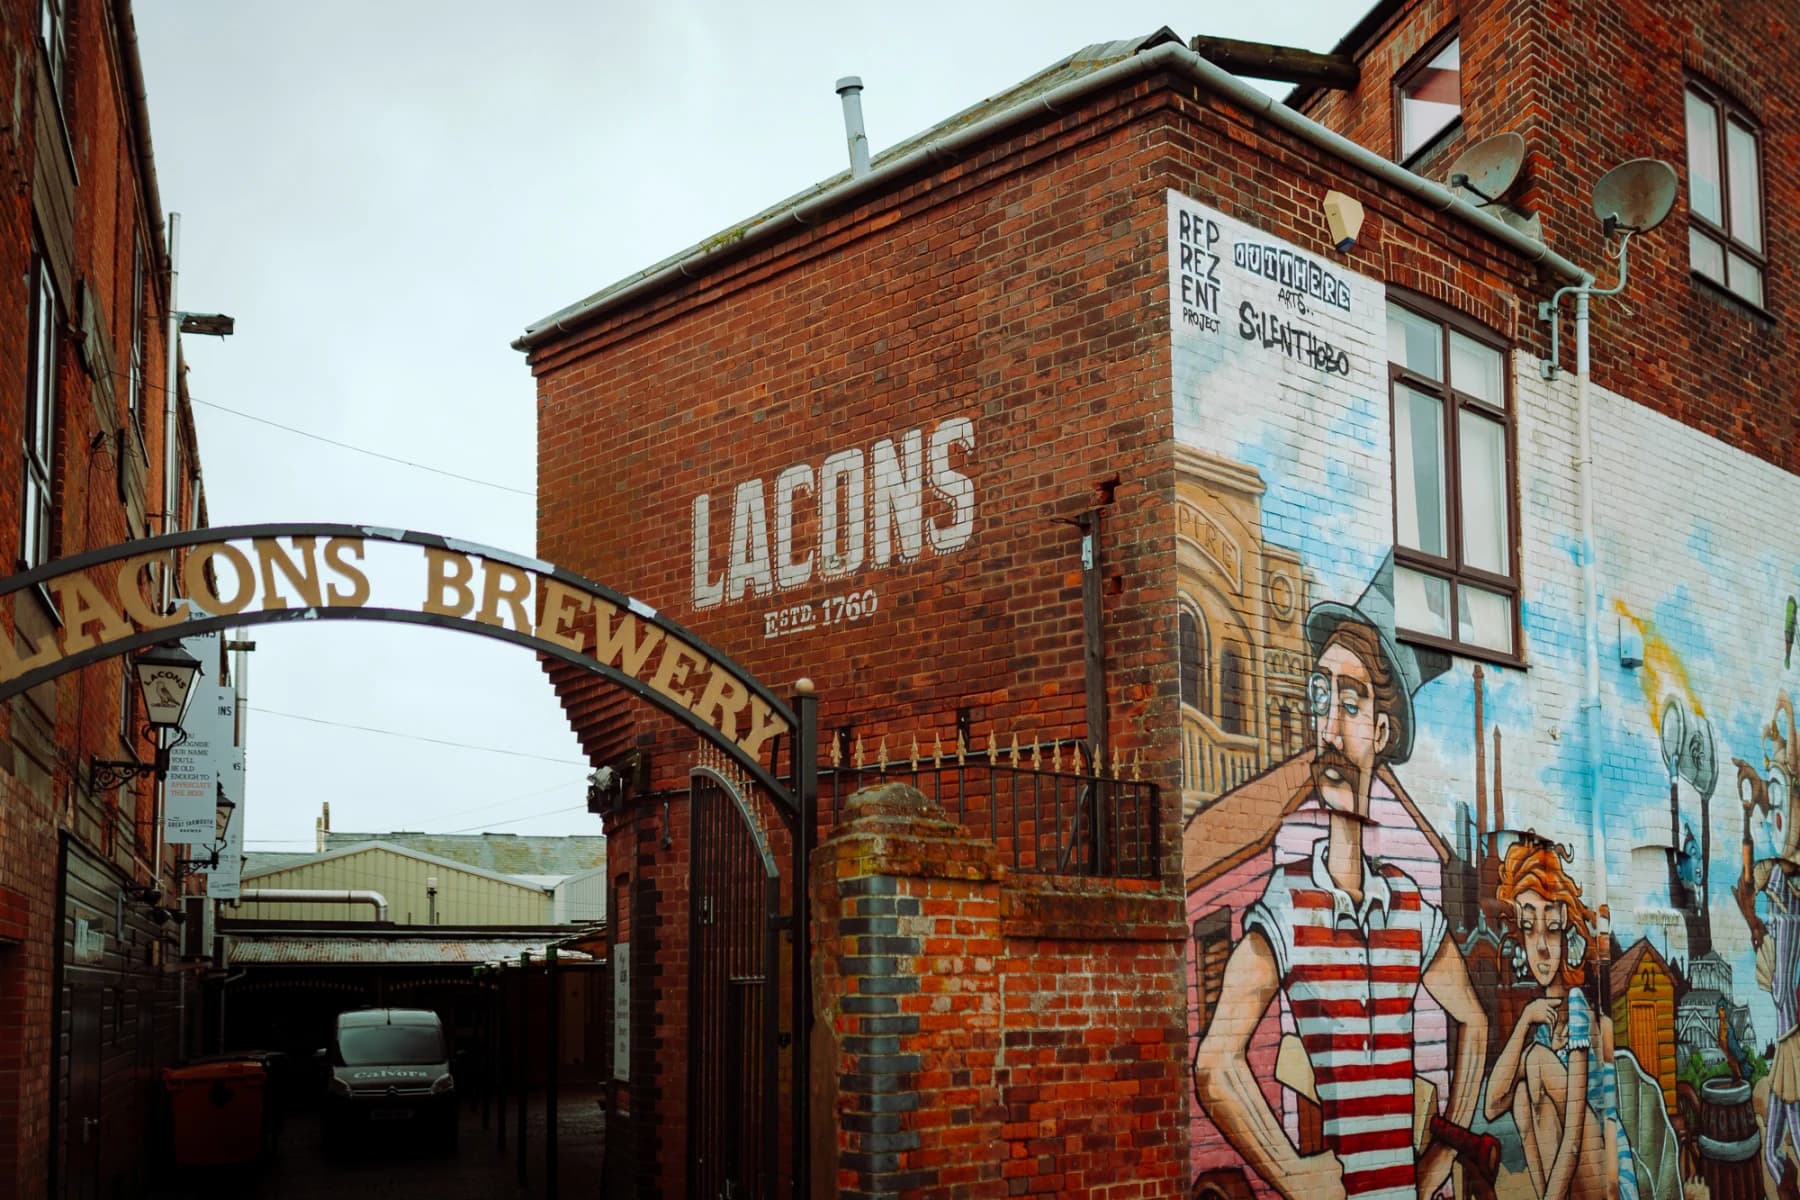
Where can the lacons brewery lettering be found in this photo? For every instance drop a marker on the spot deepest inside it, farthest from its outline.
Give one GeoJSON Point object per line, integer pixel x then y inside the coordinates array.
{"type": "Point", "coordinates": [854, 510]}
{"type": "Point", "coordinates": [109, 602]}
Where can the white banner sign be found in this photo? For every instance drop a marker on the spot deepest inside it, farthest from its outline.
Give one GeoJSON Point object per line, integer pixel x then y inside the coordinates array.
{"type": "Point", "coordinates": [197, 765]}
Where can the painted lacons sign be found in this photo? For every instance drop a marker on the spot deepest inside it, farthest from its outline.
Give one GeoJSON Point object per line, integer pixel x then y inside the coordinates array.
{"type": "Point", "coordinates": [815, 525]}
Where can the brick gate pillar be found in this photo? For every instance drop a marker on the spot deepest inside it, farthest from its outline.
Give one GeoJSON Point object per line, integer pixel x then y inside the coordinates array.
{"type": "Point", "coordinates": [906, 1037]}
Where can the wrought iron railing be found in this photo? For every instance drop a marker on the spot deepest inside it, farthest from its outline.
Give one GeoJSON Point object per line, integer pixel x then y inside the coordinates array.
{"type": "Point", "coordinates": [1050, 809]}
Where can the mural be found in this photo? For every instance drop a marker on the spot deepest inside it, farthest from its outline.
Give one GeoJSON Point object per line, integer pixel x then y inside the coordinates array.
{"type": "Point", "coordinates": [1405, 976]}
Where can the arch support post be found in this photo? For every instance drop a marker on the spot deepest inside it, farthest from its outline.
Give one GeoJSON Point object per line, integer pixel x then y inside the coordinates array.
{"type": "Point", "coordinates": [805, 776]}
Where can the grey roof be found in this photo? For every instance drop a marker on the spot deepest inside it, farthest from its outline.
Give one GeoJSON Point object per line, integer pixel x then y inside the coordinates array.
{"type": "Point", "coordinates": [503, 853]}
{"type": "Point", "coordinates": [1083, 62]}
{"type": "Point", "coordinates": [353, 848]}
{"type": "Point", "coordinates": [262, 861]}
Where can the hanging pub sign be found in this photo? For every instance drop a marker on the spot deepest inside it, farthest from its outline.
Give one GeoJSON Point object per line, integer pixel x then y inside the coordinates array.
{"type": "Point", "coordinates": [232, 578]}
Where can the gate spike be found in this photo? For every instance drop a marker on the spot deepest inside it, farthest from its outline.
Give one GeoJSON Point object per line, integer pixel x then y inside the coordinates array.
{"type": "Point", "coordinates": [1056, 756]}
{"type": "Point", "coordinates": [1136, 774]}
{"type": "Point", "coordinates": [1034, 754]}
{"type": "Point", "coordinates": [881, 755]}
{"type": "Point", "coordinates": [837, 752]}
{"type": "Point", "coordinates": [1118, 763]}
{"type": "Point", "coordinates": [937, 749]}
{"type": "Point", "coordinates": [993, 749]}
{"type": "Point", "coordinates": [915, 754]}
{"type": "Point", "coordinates": [1014, 752]}
{"type": "Point", "coordinates": [1099, 765]}
{"type": "Point", "coordinates": [859, 752]}
{"type": "Point", "coordinates": [962, 747]}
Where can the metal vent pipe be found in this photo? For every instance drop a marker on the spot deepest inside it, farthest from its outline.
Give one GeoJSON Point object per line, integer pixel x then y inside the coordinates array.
{"type": "Point", "coordinates": [316, 896]}
{"type": "Point", "coordinates": [849, 89]}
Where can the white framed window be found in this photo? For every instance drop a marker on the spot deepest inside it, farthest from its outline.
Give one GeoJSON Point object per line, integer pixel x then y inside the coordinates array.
{"type": "Point", "coordinates": [1456, 570]}
{"type": "Point", "coordinates": [1725, 194]}
{"type": "Point", "coordinates": [53, 37]}
{"type": "Point", "coordinates": [1428, 96]}
{"type": "Point", "coordinates": [40, 416]}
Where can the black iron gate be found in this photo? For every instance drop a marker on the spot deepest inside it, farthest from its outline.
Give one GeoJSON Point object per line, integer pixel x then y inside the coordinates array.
{"type": "Point", "coordinates": [734, 997]}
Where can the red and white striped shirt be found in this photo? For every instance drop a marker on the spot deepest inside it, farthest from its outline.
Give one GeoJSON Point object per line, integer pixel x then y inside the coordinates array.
{"type": "Point", "coordinates": [1350, 973]}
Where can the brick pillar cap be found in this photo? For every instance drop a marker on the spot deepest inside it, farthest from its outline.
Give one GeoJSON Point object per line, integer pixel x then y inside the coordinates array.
{"type": "Point", "coordinates": [893, 800]}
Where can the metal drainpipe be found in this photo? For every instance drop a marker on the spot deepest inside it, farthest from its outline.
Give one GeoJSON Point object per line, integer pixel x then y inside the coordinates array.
{"type": "Point", "coordinates": [1590, 589]}
{"type": "Point", "coordinates": [1590, 571]}
{"type": "Point", "coordinates": [172, 351]}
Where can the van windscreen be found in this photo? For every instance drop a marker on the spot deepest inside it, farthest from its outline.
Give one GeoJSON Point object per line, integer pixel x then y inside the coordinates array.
{"type": "Point", "coordinates": [385, 1045]}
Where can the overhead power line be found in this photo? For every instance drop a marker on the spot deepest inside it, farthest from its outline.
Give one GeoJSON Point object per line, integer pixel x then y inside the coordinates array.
{"type": "Point", "coordinates": [363, 450]}
{"type": "Point", "coordinates": [418, 737]}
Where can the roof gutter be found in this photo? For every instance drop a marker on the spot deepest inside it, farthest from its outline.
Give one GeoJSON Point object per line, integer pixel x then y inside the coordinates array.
{"type": "Point", "coordinates": [950, 147]}
{"type": "Point", "coordinates": [137, 94]}
{"type": "Point", "coordinates": [316, 896]}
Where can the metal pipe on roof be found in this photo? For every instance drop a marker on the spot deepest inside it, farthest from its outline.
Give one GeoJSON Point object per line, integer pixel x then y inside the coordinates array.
{"type": "Point", "coordinates": [1170, 55]}
{"type": "Point", "coordinates": [849, 90]}
{"type": "Point", "coordinates": [316, 896]}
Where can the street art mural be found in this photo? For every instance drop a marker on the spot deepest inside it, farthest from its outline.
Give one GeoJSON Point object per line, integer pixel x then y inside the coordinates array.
{"type": "Point", "coordinates": [1405, 976]}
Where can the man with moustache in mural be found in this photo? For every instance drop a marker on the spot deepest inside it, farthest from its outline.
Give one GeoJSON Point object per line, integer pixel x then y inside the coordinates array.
{"type": "Point", "coordinates": [1346, 940]}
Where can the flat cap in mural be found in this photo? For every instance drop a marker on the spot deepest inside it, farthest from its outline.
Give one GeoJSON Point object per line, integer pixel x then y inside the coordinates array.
{"type": "Point", "coordinates": [1414, 668]}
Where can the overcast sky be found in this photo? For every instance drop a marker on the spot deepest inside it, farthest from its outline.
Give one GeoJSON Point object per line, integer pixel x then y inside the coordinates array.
{"type": "Point", "coordinates": [385, 192]}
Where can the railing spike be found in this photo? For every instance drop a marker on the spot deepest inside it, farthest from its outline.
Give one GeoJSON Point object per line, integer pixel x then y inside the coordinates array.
{"type": "Point", "coordinates": [962, 747]}
{"type": "Point", "coordinates": [1035, 758]}
{"type": "Point", "coordinates": [1118, 763]}
{"type": "Point", "coordinates": [993, 749]}
{"type": "Point", "coordinates": [859, 752]}
{"type": "Point", "coordinates": [881, 755]}
{"type": "Point", "coordinates": [1015, 748]}
{"type": "Point", "coordinates": [1056, 756]}
{"type": "Point", "coordinates": [837, 752]}
{"type": "Point", "coordinates": [1099, 765]}
{"type": "Point", "coordinates": [937, 749]}
{"type": "Point", "coordinates": [1136, 763]}
{"type": "Point", "coordinates": [915, 754]}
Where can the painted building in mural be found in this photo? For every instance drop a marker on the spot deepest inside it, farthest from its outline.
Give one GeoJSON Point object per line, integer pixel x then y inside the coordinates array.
{"type": "Point", "coordinates": [1488, 888]}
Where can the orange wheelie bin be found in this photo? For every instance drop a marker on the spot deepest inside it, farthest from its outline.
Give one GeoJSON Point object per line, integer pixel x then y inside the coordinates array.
{"type": "Point", "coordinates": [216, 1110]}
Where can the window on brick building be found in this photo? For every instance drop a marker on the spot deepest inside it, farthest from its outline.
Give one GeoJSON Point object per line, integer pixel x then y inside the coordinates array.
{"type": "Point", "coordinates": [136, 377]}
{"type": "Point", "coordinates": [1725, 194]}
{"type": "Point", "coordinates": [53, 36]}
{"type": "Point", "coordinates": [1456, 576]}
{"type": "Point", "coordinates": [40, 416]}
{"type": "Point", "coordinates": [1428, 96]}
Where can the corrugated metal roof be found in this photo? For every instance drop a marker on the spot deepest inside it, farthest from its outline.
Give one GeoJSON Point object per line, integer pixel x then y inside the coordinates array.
{"type": "Point", "coordinates": [351, 849]}
{"type": "Point", "coordinates": [503, 853]}
{"type": "Point", "coordinates": [295, 950]}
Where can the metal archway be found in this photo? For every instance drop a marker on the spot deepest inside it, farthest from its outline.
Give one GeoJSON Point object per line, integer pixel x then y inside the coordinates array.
{"type": "Point", "coordinates": [239, 576]}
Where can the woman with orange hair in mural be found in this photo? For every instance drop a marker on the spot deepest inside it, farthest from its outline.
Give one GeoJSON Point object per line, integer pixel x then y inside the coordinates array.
{"type": "Point", "coordinates": [1555, 1073]}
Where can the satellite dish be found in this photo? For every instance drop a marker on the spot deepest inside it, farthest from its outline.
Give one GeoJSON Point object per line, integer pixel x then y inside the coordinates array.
{"type": "Point", "coordinates": [1489, 167]}
{"type": "Point", "coordinates": [1635, 196]}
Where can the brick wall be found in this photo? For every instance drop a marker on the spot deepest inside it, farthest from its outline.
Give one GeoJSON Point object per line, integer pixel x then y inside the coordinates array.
{"type": "Point", "coordinates": [1590, 86]}
{"type": "Point", "coordinates": [1035, 288]}
{"type": "Point", "coordinates": [984, 1034]}
{"type": "Point", "coordinates": [81, 192]}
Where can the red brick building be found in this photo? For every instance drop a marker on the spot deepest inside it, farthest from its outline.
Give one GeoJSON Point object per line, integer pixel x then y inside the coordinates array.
{"type": "Point", "coordinates": [87, 998]}
{"type": "Point", "coordinates": [1077, 419]}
